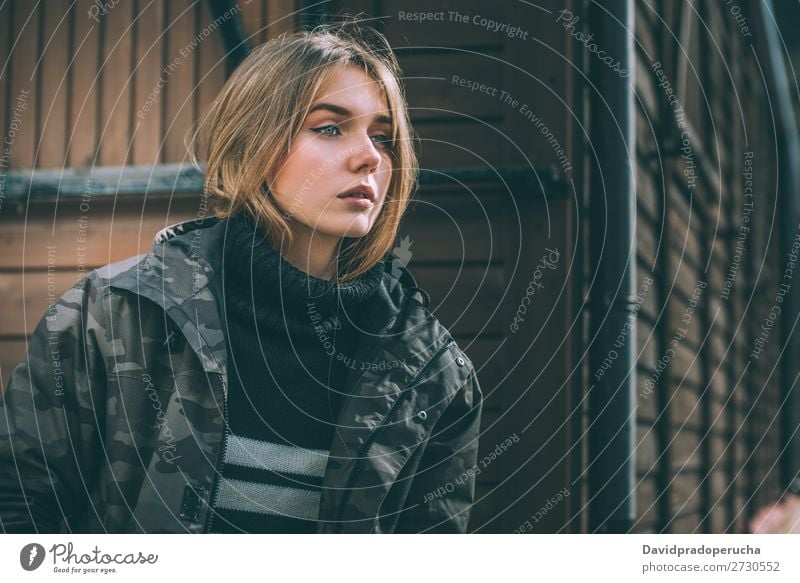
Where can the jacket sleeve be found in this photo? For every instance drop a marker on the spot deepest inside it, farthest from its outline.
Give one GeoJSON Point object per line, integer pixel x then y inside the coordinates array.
{"type": "Point", "coordinates": [50, 413]}
{"type": "Point", "coordinates": [443, 488]}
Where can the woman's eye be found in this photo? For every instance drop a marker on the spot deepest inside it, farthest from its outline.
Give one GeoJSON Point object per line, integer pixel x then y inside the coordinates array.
{"type": "Point", "coordinates": [384, 140]}
{"type": "Point", "coordinates": [324, 130]}
{"type": "Point", "coordinates": [332, 130]}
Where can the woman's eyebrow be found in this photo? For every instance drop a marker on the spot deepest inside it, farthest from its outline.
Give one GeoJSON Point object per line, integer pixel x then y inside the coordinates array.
{"type": "Point", "coordinates": [346, 112]}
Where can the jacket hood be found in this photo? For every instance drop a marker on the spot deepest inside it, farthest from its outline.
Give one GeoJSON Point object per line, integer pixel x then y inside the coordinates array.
{"type": "Point", "coordinates": [179, 275]}
{"type": "Point", "coordinates": [202, 241]}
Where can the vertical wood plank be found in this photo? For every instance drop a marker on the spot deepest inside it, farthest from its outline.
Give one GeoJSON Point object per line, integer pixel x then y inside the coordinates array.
{"type": "Point", "coordinates": [116, 83]}
{"type": "Point", "coordinates": [148, 73]}
{"type": "Point", "coordinates": [53, 104]}
{"type": "Point", "coordinates": [5, 69]}
{"type": "Point", "coordinates": [281, 17]}
{"type": "Point", "coordinates": [84, 87]}
{"type": "Point", "coordinates": [253, 19]}
{"type": "Point", "coordinates": [24, 77]}
{"type": "Point", "coordinates": [178, 90]}
{"type": "Point", "coordinates": [212, 65]}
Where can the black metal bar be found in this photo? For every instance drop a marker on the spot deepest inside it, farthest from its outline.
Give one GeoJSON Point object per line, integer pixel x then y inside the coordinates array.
{"type": "Point", "coordinates": [662, 426]}
{"type": "Point", "coordinates": [737, 355]}
{"type": "Point", "coordinates": [664, 273]}
{"type": "Point", "coordinates": [577, 522]}
{"type": "Point", "coordinates": [314, 12]}
{"type": "Point", "coordinates": [789, 200]}
{"type": "Point", "coordinates": [612, 432]}
{"type": "Point", "coordinates": [237, 45]}
{"type": "Point", "coordinates": [707, 504]}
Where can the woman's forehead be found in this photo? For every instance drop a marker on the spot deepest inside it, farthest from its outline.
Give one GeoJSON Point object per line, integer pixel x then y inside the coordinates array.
{"type": "Point", "coordinates": [352, 91]}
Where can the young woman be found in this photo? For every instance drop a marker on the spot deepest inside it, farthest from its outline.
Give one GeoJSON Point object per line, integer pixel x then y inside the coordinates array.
{"type": "Point", "coordinates": [271, 368]}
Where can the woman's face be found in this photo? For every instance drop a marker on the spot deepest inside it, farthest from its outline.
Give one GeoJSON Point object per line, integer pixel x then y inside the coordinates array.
{"type": "Point", "coordinates": [343, 144]}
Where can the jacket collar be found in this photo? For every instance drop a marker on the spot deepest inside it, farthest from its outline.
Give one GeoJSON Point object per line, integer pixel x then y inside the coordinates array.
{"type": "Point", "coordinates": [178, 275]}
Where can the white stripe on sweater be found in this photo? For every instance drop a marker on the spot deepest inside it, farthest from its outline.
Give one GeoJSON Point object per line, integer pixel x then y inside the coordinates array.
{"type": "Point", "coordinates": [264, 455]}
{"type": "Point", "coordinates": [268, 499]}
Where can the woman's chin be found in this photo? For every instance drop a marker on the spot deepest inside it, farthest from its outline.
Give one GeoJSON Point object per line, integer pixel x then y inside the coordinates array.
{"type": "Point", "coordinates": [354, 230]}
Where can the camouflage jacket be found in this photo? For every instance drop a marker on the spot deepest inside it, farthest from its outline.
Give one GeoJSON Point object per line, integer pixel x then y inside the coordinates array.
{"type": "Point", "coordinates": [114, 422]}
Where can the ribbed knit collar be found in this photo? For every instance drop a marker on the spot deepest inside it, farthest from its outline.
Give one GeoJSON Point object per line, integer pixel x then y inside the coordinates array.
{"type": "Point", "coordinates": [260, 282]}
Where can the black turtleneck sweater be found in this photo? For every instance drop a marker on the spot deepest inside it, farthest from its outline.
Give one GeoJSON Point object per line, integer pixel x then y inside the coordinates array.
{"type": "Point", "coordinates": [290, 339]}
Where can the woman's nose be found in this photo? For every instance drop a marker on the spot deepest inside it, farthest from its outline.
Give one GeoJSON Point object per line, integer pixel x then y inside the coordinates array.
{"type": "Point", "coordinates": [365, 155]}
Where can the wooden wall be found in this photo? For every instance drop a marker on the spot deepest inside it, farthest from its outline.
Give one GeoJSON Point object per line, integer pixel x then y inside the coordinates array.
{"type": "Point", "coordinates": [121, 89]}
{"type": "Point", "coordinates": [113, 88]}
{"type": "Point", "coordinates": [708, 435]}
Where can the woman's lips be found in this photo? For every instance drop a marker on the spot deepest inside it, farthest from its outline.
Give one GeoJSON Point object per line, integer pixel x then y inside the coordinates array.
{"type": "Point", "coordinates": [357, 201]}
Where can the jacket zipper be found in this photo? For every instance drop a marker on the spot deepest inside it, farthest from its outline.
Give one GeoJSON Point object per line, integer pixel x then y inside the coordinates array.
{"type": "Point", "coordinates": [212, 499]}
{"type": "Point", "coordinates": [384, 422]}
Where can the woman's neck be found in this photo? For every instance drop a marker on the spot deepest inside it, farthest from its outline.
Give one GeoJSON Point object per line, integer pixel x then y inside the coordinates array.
{"type": "Point", "coordinates": [313, 253]}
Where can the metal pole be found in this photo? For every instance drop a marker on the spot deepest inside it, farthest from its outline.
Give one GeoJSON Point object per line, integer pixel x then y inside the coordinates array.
{"type": "Point", "coordinates": [789, 201]}
{"type": "Point", "coordinates": [234, 37]}
{"type": "Point", "coordinates": [612, 234]}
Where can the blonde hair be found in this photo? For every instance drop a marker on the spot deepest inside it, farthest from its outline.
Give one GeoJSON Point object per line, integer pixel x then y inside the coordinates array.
{"type": "Point", "coordinates": [261, 108]}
